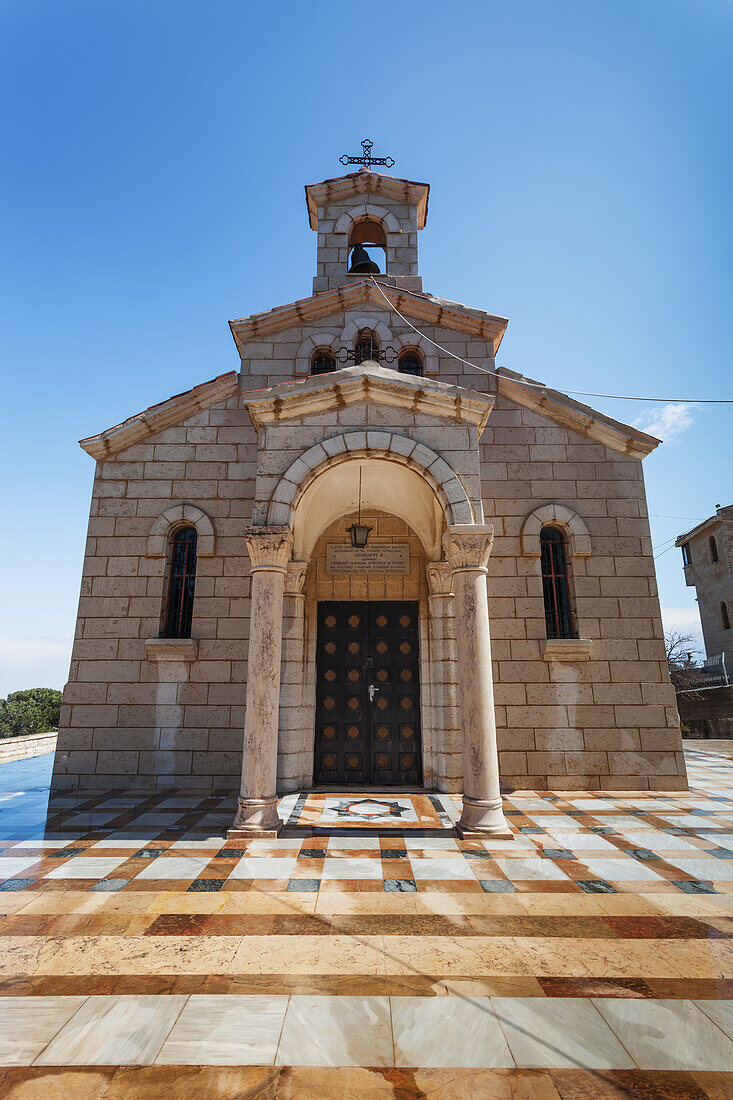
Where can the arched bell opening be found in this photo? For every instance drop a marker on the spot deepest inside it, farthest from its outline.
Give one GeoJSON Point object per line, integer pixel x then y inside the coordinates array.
{"type": "Point", "coordinates": [367, 248]}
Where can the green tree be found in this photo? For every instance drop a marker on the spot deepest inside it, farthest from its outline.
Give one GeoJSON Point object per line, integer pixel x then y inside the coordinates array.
{"type": "Point", "coordinates": [33, 711]}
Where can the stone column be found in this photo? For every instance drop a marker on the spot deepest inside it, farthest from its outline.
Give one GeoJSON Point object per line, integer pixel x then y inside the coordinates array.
{"type": "Point", "coordinates": [269, 550]}
{"type": "Point", "coordinates": [467, 548]}
{"type": "Point", "coordinates": [447, 747]}
{"type": "Point", "coordinates": [295, 734]}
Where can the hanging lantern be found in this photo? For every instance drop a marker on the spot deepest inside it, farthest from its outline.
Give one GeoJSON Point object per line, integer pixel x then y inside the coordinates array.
{"type": "Point", "coordinates": [359, 532]}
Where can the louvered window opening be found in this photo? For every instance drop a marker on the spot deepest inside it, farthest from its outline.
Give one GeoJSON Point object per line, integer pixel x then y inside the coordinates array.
{"type": "Point", "coordinates": [323, 362]}
{"type": "Point", "coordinates": [409, 363]}
{"type": "Point", "coordinates": [559, 617]}
{"type": "Point", "coordinates": [179, 607]}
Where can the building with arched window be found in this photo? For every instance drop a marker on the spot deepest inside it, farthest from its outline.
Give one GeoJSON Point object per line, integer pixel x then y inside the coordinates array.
{"type": "Point", "coordinates": [707, 557]}
{"type": "Point", "coordinates": [368, 557]}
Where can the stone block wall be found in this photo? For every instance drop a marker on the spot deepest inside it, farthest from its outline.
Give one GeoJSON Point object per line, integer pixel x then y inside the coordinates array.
{"type": "Point", "coordinates": [131, 721]}
{"type": "Point", "coordinates": [126, 720]}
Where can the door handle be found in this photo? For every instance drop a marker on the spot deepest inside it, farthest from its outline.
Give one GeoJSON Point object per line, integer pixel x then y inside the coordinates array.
{"type": "Point", "coordinates": [372, 689]}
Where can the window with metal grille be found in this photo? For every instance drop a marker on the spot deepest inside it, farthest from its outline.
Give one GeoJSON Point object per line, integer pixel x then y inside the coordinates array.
{"type": "Point", "coordinates": [181, 583]}
{"type": "Point", "coordinates": [323, 362]}
{"type": "Point", "coordinates": [366, 346]}
{"type": "Point", "coordinates": [410, 362]}
{"type": "Point", "coordinates": [559, 618]}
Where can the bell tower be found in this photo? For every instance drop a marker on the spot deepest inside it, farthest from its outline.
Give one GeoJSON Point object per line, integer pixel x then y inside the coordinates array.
{"type": "Point", "coordinates": [367, 224]}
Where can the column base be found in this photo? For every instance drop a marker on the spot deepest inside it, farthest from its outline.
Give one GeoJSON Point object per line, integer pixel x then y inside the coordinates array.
{"type": "Point", "coordinates": [483, 817]}
{"type": "Point", "coordinates": [256, 817]}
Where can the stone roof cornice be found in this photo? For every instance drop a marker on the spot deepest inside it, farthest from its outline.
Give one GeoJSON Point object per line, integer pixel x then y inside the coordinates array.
{"type": "Point", "coordinates": [365, 182]}
{"type": "Point", "coordinates": [366, 382]}
{"type": "Point", "coordinates": [163, 415]}
{"type": "Point", "coordinates": [575, 415]}
{"type": "Point", "coordinates": [421, 307]}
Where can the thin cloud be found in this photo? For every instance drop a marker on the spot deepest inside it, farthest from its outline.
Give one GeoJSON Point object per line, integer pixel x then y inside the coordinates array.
{"type": "Point", "coordinates": [23, 651]}
{"type": "Point", "coordinates": [667, 422]}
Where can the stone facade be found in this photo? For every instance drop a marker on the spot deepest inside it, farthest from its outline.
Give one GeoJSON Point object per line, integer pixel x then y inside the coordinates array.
{"type": "Point", "coordinates": [708, 565]}
{"type": "Point", "coordinates": [447, 458]}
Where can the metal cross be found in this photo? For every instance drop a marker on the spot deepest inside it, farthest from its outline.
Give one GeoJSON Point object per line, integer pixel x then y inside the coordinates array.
{"type": "Point", "coordinates": [366, 157]}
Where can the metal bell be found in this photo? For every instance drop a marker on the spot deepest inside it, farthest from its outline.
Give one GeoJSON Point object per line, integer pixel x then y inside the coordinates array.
{"type": "Point", "coordinates": [362, 263]}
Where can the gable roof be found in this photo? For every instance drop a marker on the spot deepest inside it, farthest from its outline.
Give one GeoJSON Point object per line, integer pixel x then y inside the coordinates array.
{"type": "Point", "coordinates": [423, 307]}
{"type": "Point", "coordinates": [721, 515]}
{"type": "Point", "coordinates": [362, 182]}
{"type": "Point", "coordinates": [165, 414]}
{"type": "Point", "coordinates": [575, 415]}
{"type": "Point", "coordinates": [367, 381]}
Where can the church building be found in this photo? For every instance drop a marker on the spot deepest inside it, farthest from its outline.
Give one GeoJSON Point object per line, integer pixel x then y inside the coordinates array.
{"type": "Point", "coordinates": [369, 559]}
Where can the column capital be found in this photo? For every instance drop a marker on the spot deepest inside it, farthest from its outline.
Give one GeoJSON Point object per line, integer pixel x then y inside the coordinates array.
{"type": "Point", "coordinates": [440, 578]}
{"type": "Point", "coordinates": [269, 547]}
{"type": "Point", "coordinates": [295, 578]}
{"type": "Point", "coordinates": [468, 545]}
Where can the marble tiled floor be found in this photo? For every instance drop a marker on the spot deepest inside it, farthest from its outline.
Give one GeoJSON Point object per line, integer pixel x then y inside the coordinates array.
{"type": "Point", "coordinates": [143, 955]}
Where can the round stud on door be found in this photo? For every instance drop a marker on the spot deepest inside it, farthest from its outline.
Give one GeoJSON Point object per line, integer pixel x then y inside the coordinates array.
{"type": "Point", "coordinates": [330, 620]}
{"type": "Point", "coordinates": [329, 733]}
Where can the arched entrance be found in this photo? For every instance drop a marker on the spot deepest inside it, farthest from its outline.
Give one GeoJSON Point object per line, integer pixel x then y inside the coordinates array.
{"type": "Point", "coordinates": [405, 480]}
{"type": "Point", "coordinates": [366, 715]}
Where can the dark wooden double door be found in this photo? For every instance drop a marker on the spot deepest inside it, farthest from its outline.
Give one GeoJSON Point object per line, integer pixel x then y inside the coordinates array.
{"type": "Point", "coordinates": [368, 695]}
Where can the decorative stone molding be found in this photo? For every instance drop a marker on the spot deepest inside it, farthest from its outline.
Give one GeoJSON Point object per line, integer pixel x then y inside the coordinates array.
{"type": "Point", "coordinates": [376, 324]}
{"type": "Point", "coordinates": [468, 546]}
{"type": "Point", "coordinates": [557, 515]}
{"type": "Point", "coordinates": [368, 210]}
{"type": "Point", "coordinates": [269, 547]}
{"type": "Point", "coordinates": [295, 578]}
{"type": "Point", "coordinates": [567, 649]}
{"type": "Point", "coordinates": [180, 516]}
{"type": "Point", "coordinates": [309, 345]}
{"type": "Point", "coordinates": [446, 484]}
{"type": "Point", "coordinates": [171, 649]}
{"type": "Point", "coordinates": [440, 578]}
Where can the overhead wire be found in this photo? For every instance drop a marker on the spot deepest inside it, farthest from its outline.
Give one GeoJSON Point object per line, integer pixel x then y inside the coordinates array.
{"type": "Point", "coordinates": [544, 386]}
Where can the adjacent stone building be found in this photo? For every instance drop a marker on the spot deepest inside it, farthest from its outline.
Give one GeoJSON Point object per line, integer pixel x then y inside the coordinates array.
{"type": "Point", "coordinates": [707, 556]}
{"type": "Point", "coordinates": [501, 625]}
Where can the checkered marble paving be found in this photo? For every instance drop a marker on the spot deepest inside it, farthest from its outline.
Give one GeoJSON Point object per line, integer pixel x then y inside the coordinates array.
{"type": "Point", "coordinates": [368, 950]}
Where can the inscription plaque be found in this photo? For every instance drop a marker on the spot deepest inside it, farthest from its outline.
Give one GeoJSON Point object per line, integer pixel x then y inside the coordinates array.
{"type": "Point", "coordinates": [389, 558]}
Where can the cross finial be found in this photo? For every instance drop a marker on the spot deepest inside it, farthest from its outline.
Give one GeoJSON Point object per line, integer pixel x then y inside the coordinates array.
{"type": "Point", "coordinates": [366, 157]}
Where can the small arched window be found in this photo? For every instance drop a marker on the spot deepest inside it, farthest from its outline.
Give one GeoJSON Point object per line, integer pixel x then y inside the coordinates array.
{"type": "Point", "coordinates": [724, 616]}
{"type": "Point", "coordinates": [713, 549]}
{"type": "Point", "coordinates": [410, 362]}
{"type": "Point", "coordinates": [181, 583]}
{"type": "Point", "coordinates": [559, 618]}
{"type": "Point", "coordinates": [366, 346]}
{"type": "Point", "coordinates": [323, 361]}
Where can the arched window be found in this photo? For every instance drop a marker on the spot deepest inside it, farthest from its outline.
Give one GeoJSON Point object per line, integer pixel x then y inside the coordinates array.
{"type": "Point", "coordinates": [724, 616]}
{"type": "Point", "coordinates": [366, 346]}
{"type": "Point", "coordinates": [559, 618]}
{"type": "Point", "coordinates": [713, 549]}
{"type": "Point", "coordinates": [410, 362]}
{"type": "Point", "coordinates": [323, 361]}
{"type": "Point", "coordinates": [367, 248]}
{"type": "Point", "coordinates": [181, 582]}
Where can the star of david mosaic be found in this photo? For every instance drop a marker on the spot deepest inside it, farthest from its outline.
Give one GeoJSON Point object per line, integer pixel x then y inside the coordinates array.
{"type": "Point", "coordinates": [368, 808]}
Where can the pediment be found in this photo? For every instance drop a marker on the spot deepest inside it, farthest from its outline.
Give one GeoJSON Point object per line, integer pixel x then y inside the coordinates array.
{"type": "Point", "coordinates": [371, 383]}
{"type": "Point", "coordinates": [420, 307]}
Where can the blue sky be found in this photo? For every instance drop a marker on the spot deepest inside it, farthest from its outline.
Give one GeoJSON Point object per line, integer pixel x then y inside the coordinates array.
{"type": "Point", "coordinates": [154, 155]}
